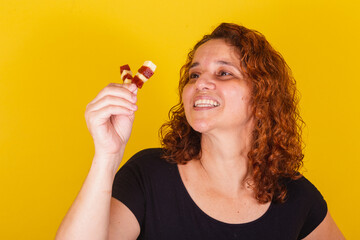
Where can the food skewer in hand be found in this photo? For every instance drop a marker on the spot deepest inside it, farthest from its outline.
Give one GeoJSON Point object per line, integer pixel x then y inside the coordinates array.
{"type": "Point", "coordinates": [143, 74]}
{"type": "Point", "coordinates": [126, 74]}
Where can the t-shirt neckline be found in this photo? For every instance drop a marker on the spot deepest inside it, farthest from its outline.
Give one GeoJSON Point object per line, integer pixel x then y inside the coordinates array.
{"type": "Point", "coordinates": [202, 213]}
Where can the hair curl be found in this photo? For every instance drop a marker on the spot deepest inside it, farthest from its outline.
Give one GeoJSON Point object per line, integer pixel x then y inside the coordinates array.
{"type": "Point", "coordinates": [276, 151]}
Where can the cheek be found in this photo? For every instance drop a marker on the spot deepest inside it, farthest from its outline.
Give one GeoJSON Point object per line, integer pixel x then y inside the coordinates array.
{"type": "Point", "coordinates": [186, 95]}
{"type": "Point", "coordinates": [240, 100]}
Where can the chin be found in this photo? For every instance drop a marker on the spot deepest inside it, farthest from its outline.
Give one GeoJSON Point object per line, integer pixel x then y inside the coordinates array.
{"type": "Point", "coordinates": [200, 126]}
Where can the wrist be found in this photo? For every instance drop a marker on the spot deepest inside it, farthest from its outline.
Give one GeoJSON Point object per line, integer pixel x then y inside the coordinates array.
{"type": "Point", "coordinates": [107, 162]}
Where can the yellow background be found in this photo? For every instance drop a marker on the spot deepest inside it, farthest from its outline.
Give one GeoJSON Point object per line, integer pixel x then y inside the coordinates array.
{"type": "Point", "coordinates": [55, 56]}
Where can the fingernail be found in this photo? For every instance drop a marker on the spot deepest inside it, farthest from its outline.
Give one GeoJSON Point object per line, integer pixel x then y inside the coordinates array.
{"type": "Point", "coordinates": [132, 87]}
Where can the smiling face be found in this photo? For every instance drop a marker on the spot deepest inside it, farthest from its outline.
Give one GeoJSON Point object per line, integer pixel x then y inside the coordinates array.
{"type": "Point", "coordinates": [217, 95]}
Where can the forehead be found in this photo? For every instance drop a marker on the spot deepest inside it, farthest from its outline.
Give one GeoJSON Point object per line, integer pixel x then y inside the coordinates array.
{"type": "Point", "coordinates": [216, 49]}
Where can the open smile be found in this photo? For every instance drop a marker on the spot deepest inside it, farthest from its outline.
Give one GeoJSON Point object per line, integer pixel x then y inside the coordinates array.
{"type": "Point", "coordinates": [206, 103]}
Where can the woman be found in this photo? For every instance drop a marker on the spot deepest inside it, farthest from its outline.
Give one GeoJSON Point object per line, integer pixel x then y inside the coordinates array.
{"type": "Point", "coordinates": [230, 159]}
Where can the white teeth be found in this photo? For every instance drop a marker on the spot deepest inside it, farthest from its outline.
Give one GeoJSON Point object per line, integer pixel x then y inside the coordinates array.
{"type": "Point", "coordinates": [206, 103]}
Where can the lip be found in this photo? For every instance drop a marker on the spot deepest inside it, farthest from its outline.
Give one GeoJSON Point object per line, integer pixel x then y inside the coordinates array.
{"type": "Point", "coordinates": [203, 108]}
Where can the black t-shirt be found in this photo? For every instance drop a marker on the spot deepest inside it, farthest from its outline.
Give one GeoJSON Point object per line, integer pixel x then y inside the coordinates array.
{"type": "Point", "coordinates": [153, 190]}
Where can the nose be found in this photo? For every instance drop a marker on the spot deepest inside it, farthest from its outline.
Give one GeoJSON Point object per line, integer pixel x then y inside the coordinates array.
{"type": "Point", "coordinates": [204, 82]}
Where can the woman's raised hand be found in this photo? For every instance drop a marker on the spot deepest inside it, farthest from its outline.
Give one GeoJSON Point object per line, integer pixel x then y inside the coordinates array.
{"type": "Point", "coordinates": [110, 116]}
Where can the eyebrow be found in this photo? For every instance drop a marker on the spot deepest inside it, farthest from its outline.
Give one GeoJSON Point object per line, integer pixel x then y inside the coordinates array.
{"type": "Point", "coordinates": [194, 65]}
{"type": "Point", "coordinates": [220, 62]}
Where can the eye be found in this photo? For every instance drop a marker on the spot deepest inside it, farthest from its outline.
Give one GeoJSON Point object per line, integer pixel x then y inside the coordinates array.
{"type": "Point", "coordinates": [224, 73]}
{"type": "Point", "coordinates": [193, 75]}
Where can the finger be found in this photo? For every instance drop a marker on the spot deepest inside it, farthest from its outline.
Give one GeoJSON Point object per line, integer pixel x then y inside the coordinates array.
{"type": "Point", "coordinates": [118, 90]}
{"type": "Point", "coordinates": [105, 113]}
{"type": "Point", "coordinates": [131, 87]}
{"type": "Point", "coordinates": [112, 100]}
{"type": "Point", "coordinates": [115, 117]}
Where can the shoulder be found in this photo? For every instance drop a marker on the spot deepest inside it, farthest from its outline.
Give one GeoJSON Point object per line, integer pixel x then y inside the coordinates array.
{"type": "Point", "coordinates": [135, 180]}
{"type": "Point", "coordinates": [307, 202]}
{"type": "Point", "coordinates": [143, 170]}
{"type": "Point", "coordinates": [300, 184]}
{"type": "Point", "coordinates": [303, 189]}
{"type": "Point", "coordinates": [148, 156]}
{"type": "Point", "coordinates": [148, 161]}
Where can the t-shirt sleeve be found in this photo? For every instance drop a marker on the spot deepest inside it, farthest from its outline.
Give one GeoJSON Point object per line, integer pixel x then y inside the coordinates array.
{"type": "Point", "coordinates": [317, 211]}
{"type": "Point", "coordinates": [128, 187]}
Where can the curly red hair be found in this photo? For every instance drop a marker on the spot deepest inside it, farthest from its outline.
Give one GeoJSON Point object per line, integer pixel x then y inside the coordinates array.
{"type": "Point", "coordinates": [276, 151]}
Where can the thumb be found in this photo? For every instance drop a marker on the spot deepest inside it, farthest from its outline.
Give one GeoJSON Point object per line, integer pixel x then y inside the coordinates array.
{"type": "Point", "coordinates": [131, 87]}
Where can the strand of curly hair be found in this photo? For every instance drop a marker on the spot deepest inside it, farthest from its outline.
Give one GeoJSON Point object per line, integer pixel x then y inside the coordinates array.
{"type": "Point", "coordinates": [276, 151]}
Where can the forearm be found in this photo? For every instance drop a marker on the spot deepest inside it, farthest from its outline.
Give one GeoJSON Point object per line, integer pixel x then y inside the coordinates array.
{"type": "Point", "coordinates": [88, 217]}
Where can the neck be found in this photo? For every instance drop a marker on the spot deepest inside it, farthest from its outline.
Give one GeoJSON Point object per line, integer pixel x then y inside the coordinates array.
{"type": "Point", "coordinates": [224, 158]}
